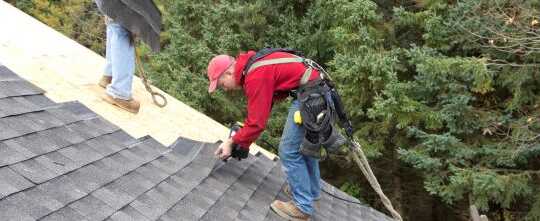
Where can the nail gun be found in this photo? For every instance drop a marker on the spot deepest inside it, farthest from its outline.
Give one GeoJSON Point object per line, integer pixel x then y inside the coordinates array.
{"type": "Point", "coordinates": [237, 152]}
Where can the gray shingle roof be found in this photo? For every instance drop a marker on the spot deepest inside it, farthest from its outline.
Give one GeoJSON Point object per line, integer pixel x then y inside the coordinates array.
{"type": "Point", "coordinates": [61, 161]}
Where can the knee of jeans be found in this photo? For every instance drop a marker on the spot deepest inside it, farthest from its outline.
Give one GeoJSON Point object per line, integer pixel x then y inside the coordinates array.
{"type": "Point", "coordinates": [119, 30]}
{"type": "Point", "coordinates": [288, 154]}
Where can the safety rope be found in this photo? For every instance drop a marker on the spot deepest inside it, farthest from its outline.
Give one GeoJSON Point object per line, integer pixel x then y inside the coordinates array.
{"type": "Point", "coordinates": [146, 82]}
{"type": "Point", "coordinates": [362, 162]}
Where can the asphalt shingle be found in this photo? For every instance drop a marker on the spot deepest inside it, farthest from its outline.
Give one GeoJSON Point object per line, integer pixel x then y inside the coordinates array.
{"type": "Point", "coordinates": [63, 189]}
{"type": "Point", "coordinates": [238, 194]}
{"type": "Point", "coordinates": [39, 100]}
{"type": "Point", "coordinates": [7, 75]}
{"type": "Point", "coordinates": [11, 182]}
{"type": "Point", "coordinates": [203, 195]}
{"type": "Point", "coordinates": [40, 204]}
{"type": "Point", "coordinates": [91, 208]}
{"type": "Point", "coordinates": [17, 87]}
{"type": "Point", "coordinates": [257, 207]}
{"type": "Point", "coordinates": [90, 177]}
{"type": "Point", "coordinates": [34, 170]}
{"type": "Point", "coordinates": [16, 105]}
{"type": "Point", "coordinates": [10, 210]}
{"type": "Point", "coordinates": [65, 214]}
{"type": "Point", "coordinates": [6, 129]}
{"type": "Point", "coordinates": [128, 213]}
{"type": "Point", "coordinates": [9, 154]}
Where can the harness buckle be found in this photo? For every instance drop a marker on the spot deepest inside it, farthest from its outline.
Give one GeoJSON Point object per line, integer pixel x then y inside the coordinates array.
{"type": "Point", "coordinates": [310, 63]}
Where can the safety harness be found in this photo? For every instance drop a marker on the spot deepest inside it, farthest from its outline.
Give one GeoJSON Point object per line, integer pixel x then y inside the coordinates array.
{"type": "Point", "coordinates": [256, 62]}
{"type": "Point", "coordinates": [316, 97]}
{"type": "Point", "coordinates": [317, 107]}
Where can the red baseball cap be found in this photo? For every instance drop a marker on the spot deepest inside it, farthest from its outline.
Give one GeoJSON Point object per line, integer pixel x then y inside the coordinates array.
{"type": "Point", "coordinates": [216, 67]}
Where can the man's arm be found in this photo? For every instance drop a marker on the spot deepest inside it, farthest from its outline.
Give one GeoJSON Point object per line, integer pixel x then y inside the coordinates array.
{"type": "Point", "coordinates": [259, 91]}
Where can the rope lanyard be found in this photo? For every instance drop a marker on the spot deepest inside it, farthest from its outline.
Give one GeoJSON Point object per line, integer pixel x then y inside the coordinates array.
{"type": "Point", "coordinates": [146, 82]}
{"type": "Point", "coordinates": [362, 162]}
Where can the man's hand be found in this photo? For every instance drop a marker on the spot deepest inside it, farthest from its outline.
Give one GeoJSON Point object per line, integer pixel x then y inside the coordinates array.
{"type": "Point", "coordinates": [224, 150]}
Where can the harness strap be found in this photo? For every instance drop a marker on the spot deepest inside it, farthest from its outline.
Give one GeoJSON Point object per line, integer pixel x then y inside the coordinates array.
{"type": "Point", "coordinates": [305, 76]}
{"type": "Point", "coordinates": [275, 61]}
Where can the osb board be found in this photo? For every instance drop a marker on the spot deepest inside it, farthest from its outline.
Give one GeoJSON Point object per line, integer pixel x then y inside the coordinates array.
{"type": "Point", "coordinates": [68, 71]}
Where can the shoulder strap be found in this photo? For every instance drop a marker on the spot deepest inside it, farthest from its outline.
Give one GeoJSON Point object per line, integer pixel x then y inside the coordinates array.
{"type": "Point", "coordinates": [265, 52]}
{"type": "Point", "coordinates": [305, 76]}
{"type": "Point", "coordinates": [254, 62]}
{"type": "Point", "coordinates": [274, 61]}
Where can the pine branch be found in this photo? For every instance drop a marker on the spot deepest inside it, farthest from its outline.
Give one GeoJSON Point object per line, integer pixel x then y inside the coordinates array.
{"type": "Point", "coordinates": [501, 170]}
{"type": "Point", "coordinates": [511, 64]}
{"type": "Point", "coordinates": [512, 171]}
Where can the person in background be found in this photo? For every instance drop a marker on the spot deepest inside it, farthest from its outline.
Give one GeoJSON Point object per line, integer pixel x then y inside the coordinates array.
{"type": "Point", "coordinates": [118, 74]}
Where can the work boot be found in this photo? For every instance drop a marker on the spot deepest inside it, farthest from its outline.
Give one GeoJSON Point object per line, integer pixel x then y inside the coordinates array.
{"type": "Point", "coordinates": [104, 81]}
{"type": "Point", "coordinates": [289, 211]}
{"type": "Point", "coordinates": [132, 106]}
{"type": "Point", "coordinates": [287, 191]}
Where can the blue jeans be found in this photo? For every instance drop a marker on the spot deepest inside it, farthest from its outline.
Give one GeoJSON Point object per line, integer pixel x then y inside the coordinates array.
{"type": "Point", "coordinates": [302, 172]}
{"type": "Point", "coordinates": [120, 55]}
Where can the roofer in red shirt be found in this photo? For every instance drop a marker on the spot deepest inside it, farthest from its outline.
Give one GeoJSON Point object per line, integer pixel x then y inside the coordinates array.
{"type": "Point", "coordinates": [268, 76]}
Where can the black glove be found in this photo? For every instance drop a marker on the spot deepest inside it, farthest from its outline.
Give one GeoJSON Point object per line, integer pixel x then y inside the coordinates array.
{"type": "Point", "coordinates": [239, 152]}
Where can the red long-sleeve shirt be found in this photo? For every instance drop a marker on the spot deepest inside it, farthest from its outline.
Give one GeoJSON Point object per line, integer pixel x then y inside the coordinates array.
{"type": "Point", "coordinates": [262, 86]}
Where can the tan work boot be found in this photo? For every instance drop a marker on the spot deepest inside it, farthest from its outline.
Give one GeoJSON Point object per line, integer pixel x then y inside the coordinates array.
{"type": "Point", "coordinates": [132, 106]}
{"type": "Point", "coordinates": [287, 190]}
{"type": "Point", "coordinates": [289, 211]}
{"type": "Point", "coordinates": [104, 81]}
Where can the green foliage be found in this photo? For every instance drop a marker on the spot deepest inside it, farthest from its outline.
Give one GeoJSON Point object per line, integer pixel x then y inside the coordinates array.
{"type": "Point", "coordinates": [352, 189]}
{"type": "Point", "coordinates": [469, 106]}
{"type": "Point", "coordinates": [535, 211]}
{"type": "Point", "coordinates": [24, 5]}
